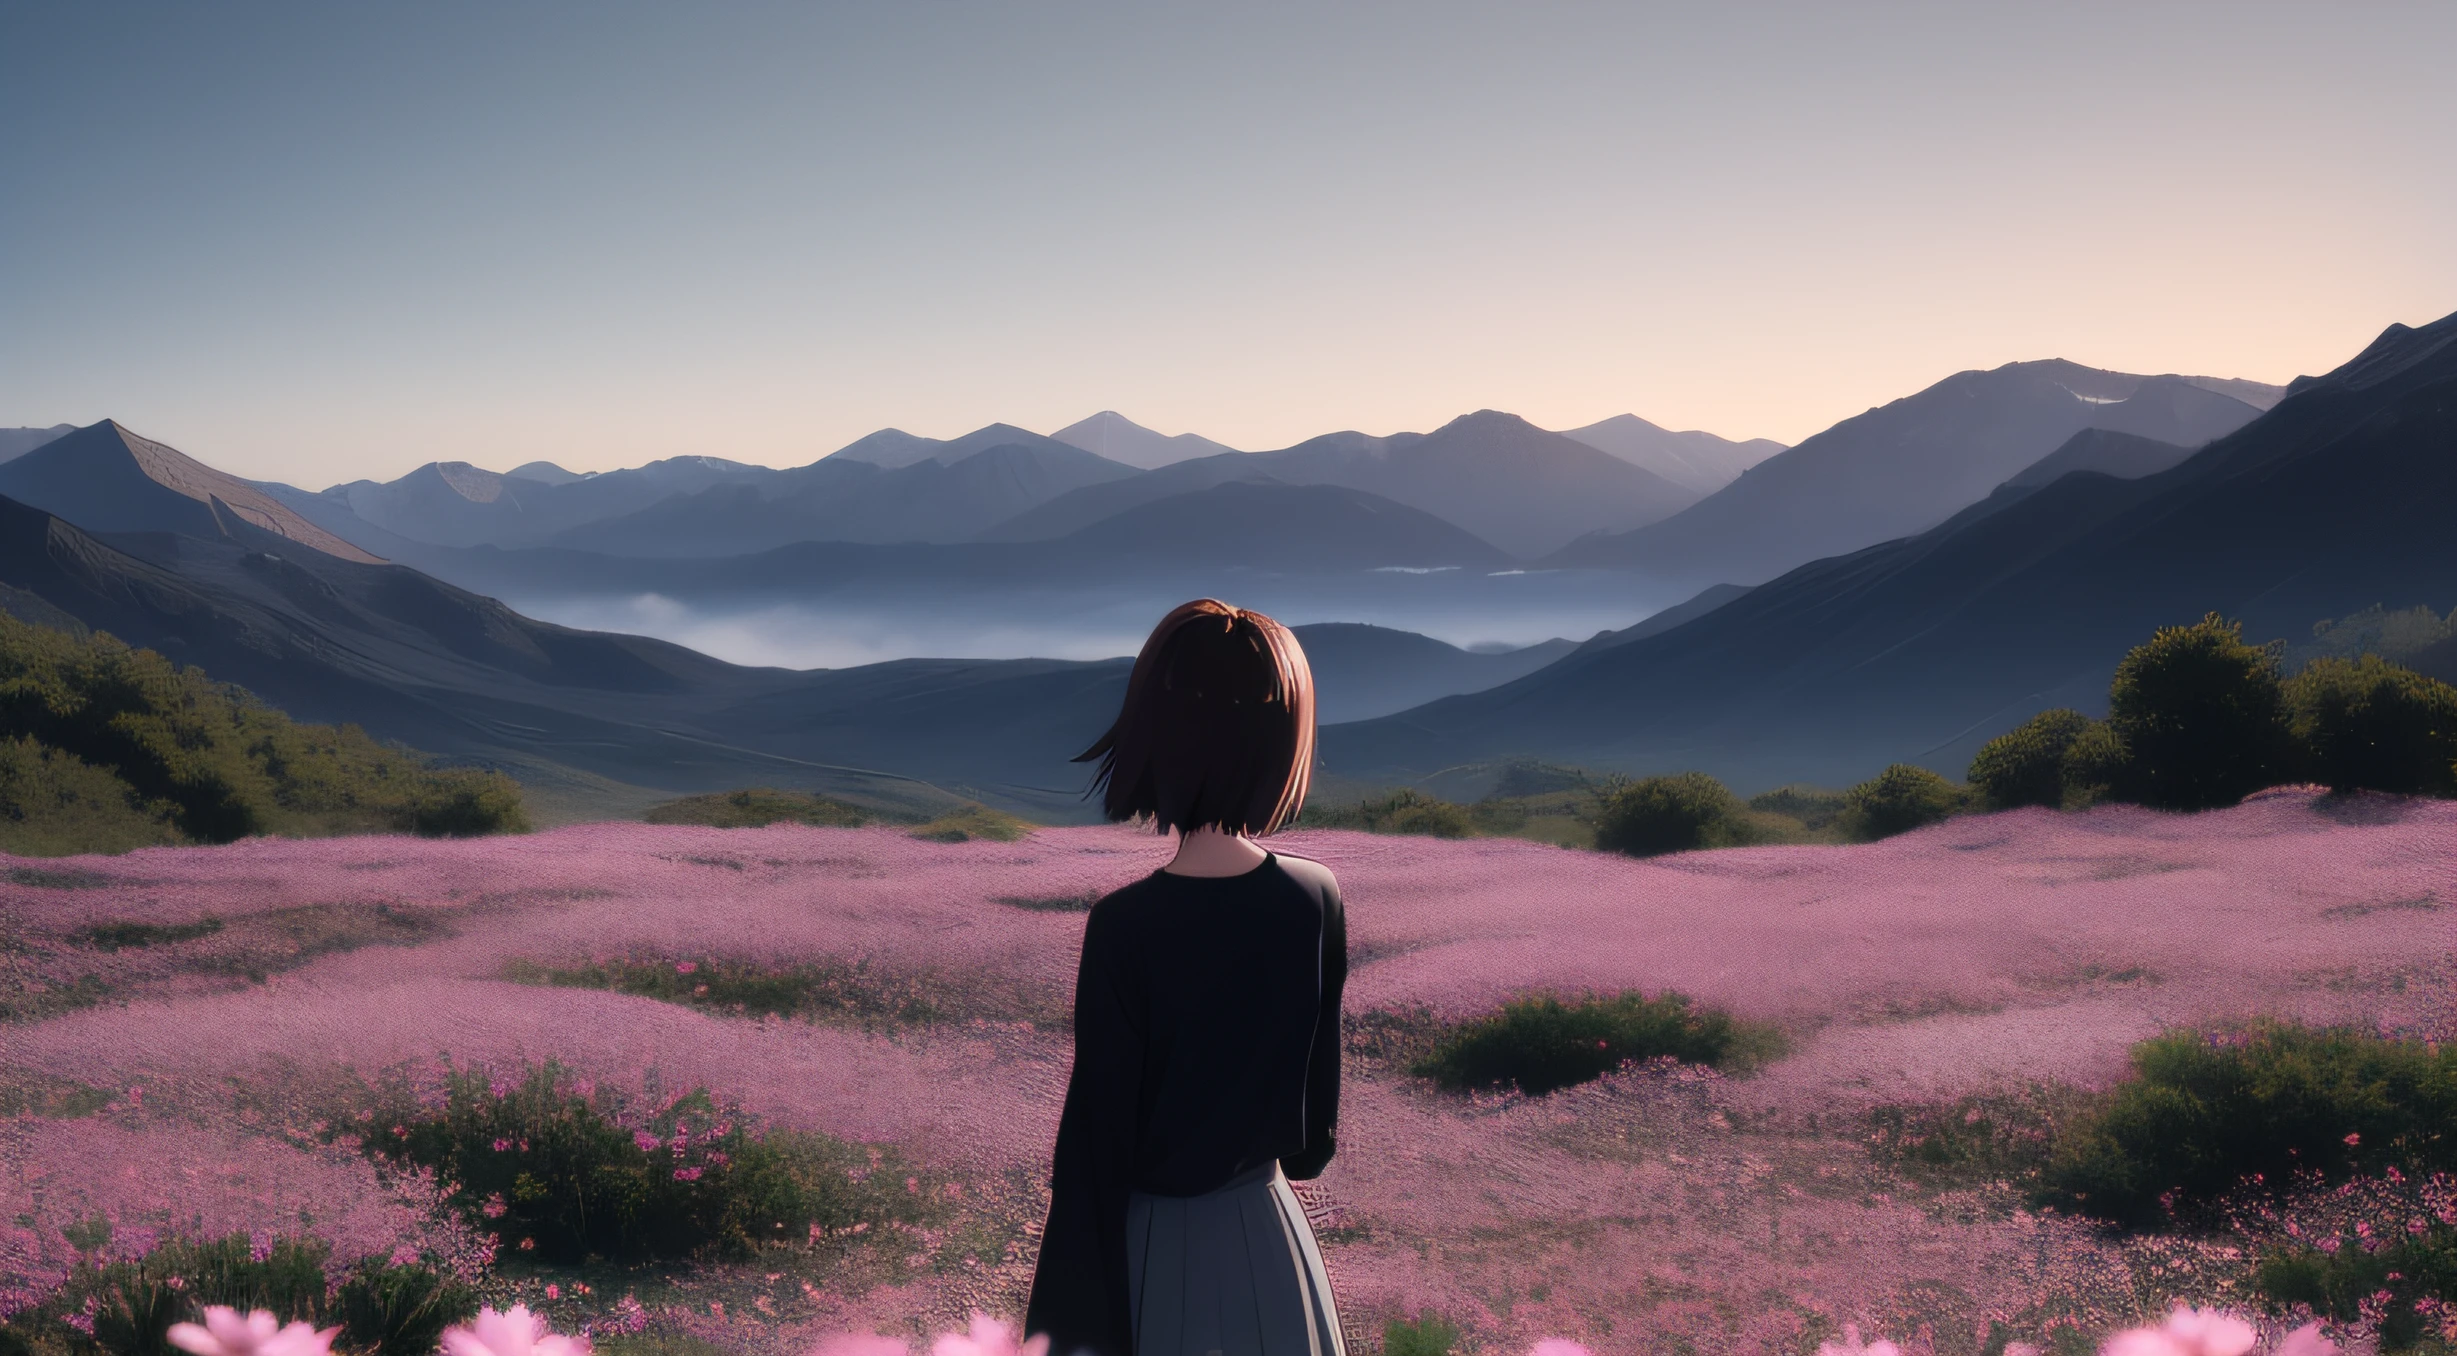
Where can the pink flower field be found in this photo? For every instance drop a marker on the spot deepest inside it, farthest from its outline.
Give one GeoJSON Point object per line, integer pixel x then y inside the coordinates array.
{"type": "Point", "coordinates": [1660, 1209]}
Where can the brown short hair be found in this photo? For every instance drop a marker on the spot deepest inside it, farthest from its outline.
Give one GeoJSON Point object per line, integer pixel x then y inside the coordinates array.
{"type": "Point", "coordinates": [1217, 728]}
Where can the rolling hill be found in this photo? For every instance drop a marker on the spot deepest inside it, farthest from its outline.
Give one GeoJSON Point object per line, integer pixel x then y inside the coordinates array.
{"type": "Point", "coordinates": [1905, 467]}
{"type": "Point", "coordinates": [16, 442]}
{"type": "Point", "coordinates": [1920, 648]}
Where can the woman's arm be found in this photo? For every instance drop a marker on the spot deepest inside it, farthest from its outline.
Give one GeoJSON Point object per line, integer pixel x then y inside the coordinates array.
{"type": "Point", "coordinates": [1079, 1284]}
{"type": "Point", "coordinates": [1322, 1069]}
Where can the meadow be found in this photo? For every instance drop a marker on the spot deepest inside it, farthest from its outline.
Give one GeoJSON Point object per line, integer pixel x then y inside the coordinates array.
{"type": "Point", "coordinates": [210, 1039]}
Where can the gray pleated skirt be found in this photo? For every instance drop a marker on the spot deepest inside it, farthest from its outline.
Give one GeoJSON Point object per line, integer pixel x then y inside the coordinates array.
{"type": "Point", "coordinates": [1235, 1272]}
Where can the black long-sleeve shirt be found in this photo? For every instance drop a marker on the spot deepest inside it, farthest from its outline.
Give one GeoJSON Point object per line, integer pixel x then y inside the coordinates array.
{"type": "Point", "coordinates": [1206, 1043]}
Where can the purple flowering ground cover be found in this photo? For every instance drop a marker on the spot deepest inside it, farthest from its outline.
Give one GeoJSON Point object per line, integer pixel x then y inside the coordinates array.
{"type": "Point", "coordinates": [181, 1018]}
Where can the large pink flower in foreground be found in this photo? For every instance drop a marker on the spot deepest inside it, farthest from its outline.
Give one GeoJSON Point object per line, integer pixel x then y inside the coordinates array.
{"type": "Point", "coordinates": [225, 1333]}
{"type": "Point", "coordinates": [989, 1337]}
{"type": "Point", "coordinates": [1852, 1346]}
{"type": "Point", "coordinates": [2210, 1332]}
{"type": "Point", "coordinates": [514, 1333]}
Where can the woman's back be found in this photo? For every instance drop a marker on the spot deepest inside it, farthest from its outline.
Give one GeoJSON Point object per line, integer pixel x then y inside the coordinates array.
{"type": "Point", "coordinates": [1234, 981]}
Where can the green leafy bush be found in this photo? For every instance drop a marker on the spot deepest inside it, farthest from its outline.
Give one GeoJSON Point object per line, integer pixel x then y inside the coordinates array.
{"type": "Point", "coordinates": [2096, 764]}
{"type": "Point", "coordinates": [2203, 1112]}
{"type": "Point", "coordinates": [2360, 1274]}
{"type": "Point", "coordinates": [1428, 1334]}
{"type": "Point", "coordinates": [113, 748]}
{"type": "Point", "coordinates": [549, 1169]}
{"type": "Point", "coordinates": [399, 1309]}
{"type": "Point", "coordinates": [2201, 717]}
{"type": "Point", "coordinates": [1678, 813]}
{"type": "Point", "coordinates": [2026, 765]}
{"type": "Point", "coordinates": [2367, 723]}
{"type": "Point", "coordinates": [1898, 800]}
{"type": "Point", "coordinates": [1541, 1043]}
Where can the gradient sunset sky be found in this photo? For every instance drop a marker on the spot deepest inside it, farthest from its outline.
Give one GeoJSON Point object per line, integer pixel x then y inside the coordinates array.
{"type": "Point", "coordinates": [315, 242]}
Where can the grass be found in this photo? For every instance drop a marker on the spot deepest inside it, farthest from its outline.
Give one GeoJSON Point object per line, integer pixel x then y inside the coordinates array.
{"type": "Point", "coordinates": [122, 936]}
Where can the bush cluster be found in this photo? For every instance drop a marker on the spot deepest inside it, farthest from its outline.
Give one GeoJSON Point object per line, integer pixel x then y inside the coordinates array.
{"type": "Point", "coordinates": [1540, 1043]}
{"type": "Point", "coordinates": [2204, 1112]}
{"type": "Point", "coordinates": [2341, 1283]}
{"type": "Point", "coordinates": [757, 807]}
{"type": "Point", "coordinates": [1898, 800]}
{"type": "Point", "coordinates": [2198, 717]}
{"type": "Point", "coordinates": [383, 1308]}
{"type": "Point", "coordinates": [111, 748]}
{"type": "Point", "coordinates": [551, 1169]}
{"type": "Point", "coordinates": [1681, 812]}
{"type": "Point", "coordinates": [1406, 810]}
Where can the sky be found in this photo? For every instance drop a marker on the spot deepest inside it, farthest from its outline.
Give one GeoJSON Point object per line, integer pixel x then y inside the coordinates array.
{"type": "Point", "coordinates": [318, 242]}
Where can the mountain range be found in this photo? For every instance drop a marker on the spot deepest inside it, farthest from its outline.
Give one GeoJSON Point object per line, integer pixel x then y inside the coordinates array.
{"type": "Point", "coordinates": [1906, 466]}
{"type": "Point", "coordinates": [1920, 648]}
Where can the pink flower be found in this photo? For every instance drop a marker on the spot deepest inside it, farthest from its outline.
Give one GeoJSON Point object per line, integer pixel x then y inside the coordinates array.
{"type": "Point", "coordinates": [516, 1332]}
{"type": "Point", "coordinates": [553, 1291]}
{"type": "Point", "coordinates": [648, 1143]}
{"type": "Point", "coordinates": [989, 1337]}
{"type": "Point", "coordinates": [225, 1333]}
{"type": "Point", "coordinates": [1558, 1346]}
{"type": "Point", "coordinates": [2353, 1138]}
{"type": "Point", "coordinates": [502, 1144]}
{"type": "Point", "coordinates": [686, 967]}
{"type": "Point", "coordinates": [861, 1344]}
{"type": "Point", "coordinates": [2187, 1332]}
{"type": "Point", "coordinates": [2306, 1341]}
{"type": "Point", "coordinates": [686, 1174]}
{"type": "Point", "coordinates": [1852, 1346]}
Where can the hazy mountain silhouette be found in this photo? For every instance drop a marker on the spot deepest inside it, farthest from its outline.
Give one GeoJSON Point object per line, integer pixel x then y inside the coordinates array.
{"type": "Point", "coordinates": [1905, 467]}
{"type": "Point", "coordinates": [1920, 648]}
{"type": "Point", "coordinates": [1120, 439]}
{"type": "Point", "coordinates": [16, 442]}
{"type": "Point", "coordinates": [1696, 461]}
{"type": "Point", "coordinates": [1503, 479]}
{"type": "Point", "coordinates": [453, 503]}
{"type": "Point", "coordinates": [892, 448]}
{"type": "Point", "coordinates": [104, 475]}
{"type": "Point", "coordinates": [1283, 527]}
{"type": "Point", "coordinates": [544, 472]}
{"type": "Point", "coordinates": [927, 500]}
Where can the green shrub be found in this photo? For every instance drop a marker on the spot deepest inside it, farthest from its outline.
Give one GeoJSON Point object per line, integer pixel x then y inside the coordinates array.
{"type": "Point", "coordinates": [2360, 1274]}
{"type": "Point", "coordinates": [399, 1309]}
{"type": "Point", "coordinates": [2201, 717]}
{"type": "Point", "coordinates": [2095, 765]}
{"type": "Point", "coordinates": [1428, 1334]}
{"type": "Point", "coordinates": [134, 1302]}
{"type": "Point", "coordinates": [1678, 813]}
{"type": "Point", "coordinates": [1406, 810]}
{"type": "Point", "coordinates": [1898, 800]}
{"type": "Point", "coordinates": [549, 1170]}
{"type": "Point", "coordinates": [2365, 723]}
{"type": "Point", "coordinates": [974, 821]}
{"type": "Point", "coordinates": [113, 748]}
{"type": "Point", "coordinates": [759, 807]}
{"type": "Point", "coordinates": [2026, 765]}
{"type": "Point", "coordinates": [1540, 1043]}
{"type": "Point", "coordinates": [2203, 1112]}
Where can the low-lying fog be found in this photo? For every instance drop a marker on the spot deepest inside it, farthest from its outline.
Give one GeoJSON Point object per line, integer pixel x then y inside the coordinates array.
{"type": "Point", "coordinates": [838, 631]}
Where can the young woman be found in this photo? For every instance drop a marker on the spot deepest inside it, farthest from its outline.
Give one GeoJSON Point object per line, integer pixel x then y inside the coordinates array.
{"type": "Point", "coordinates": [1206, 1023]}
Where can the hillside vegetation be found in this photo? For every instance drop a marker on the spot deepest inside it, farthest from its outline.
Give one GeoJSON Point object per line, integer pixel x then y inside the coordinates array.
{"type": "Point", "coordinates": [104, 748]}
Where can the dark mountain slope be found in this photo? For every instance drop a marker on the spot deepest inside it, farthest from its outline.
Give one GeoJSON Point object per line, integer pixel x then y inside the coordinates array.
{"type": "Point", "coordinates": [1919, 649]}
{"type": "Point", "coordinates": [104, 476]}
{"type": "Point", "coordinates": [1905, 467]}
{"type": "Point", "coordinates": [2126, 456]}
{"type": "Point", "coordinates": [1362, 671]}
